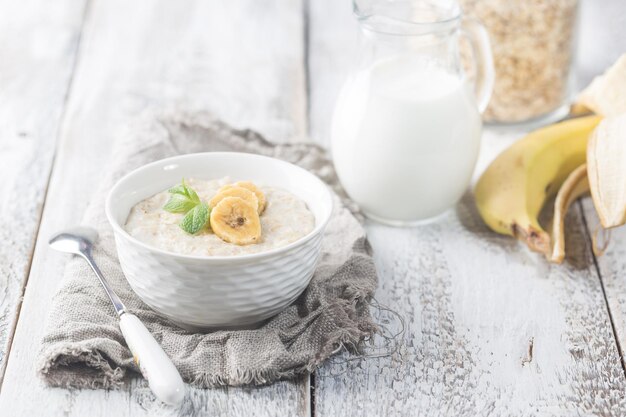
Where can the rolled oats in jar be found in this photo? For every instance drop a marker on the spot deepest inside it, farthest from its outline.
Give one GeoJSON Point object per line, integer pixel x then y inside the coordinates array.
{"type": "Point", "coordinates": [533, 45]}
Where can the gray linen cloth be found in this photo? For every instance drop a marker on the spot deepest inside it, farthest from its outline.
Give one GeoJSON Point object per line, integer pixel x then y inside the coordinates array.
{"type": "Point", "coordinates": [83, 346]}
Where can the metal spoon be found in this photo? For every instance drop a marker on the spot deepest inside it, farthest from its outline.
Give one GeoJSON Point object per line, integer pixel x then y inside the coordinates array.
{"type": "Point", "coordinates": [155, 365]}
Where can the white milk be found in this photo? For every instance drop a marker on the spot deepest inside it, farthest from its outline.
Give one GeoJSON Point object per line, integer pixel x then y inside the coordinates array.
{"type": "Point", "coordinates": [405, 139]}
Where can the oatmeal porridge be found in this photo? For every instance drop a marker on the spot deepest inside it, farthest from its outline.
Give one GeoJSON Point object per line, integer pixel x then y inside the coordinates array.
{"type": "Point", "coordinates": [241, 221]}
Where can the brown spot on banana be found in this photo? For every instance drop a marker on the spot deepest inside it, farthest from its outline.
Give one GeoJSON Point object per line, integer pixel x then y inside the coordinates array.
{"type": "Point", "coordinates": [537, 240]}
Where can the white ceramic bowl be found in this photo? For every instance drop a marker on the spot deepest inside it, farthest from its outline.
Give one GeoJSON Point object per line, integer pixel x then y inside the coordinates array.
{"type": "Point", "coordinates": [218, 291]}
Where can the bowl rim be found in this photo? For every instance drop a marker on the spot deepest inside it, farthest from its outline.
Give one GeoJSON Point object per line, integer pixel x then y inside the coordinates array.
{"type": "Point", "coordinates": [117, 228]}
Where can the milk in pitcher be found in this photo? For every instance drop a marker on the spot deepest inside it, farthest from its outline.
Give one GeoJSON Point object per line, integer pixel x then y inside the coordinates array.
{"type": "Point", "coordinates": [405, 138]}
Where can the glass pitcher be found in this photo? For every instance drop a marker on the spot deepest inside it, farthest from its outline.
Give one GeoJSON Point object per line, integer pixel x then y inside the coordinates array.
{"type": "Point", "coordinates": [406, 127]}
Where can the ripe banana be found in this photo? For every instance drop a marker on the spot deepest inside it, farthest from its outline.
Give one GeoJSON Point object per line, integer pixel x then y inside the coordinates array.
{"type": "Point", "coordinates": [236, 221]}
{"type": "Point", "coordinates": [513, 189]}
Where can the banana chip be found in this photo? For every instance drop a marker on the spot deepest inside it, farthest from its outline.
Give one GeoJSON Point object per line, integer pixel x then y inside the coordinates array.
{"type": "Point", "coordinates": [235, 220]}
{"type": "Point", "coordinates": [259, 194]}
{"type": "Point", "coordinates": [232, 191]}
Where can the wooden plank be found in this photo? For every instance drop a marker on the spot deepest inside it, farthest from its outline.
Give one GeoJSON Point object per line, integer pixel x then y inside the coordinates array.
{"type": "Point", "coordinates": [490, 328]}
{"type": "Point", "coordinates": [612, 267]}
{"type": "Point", "coordinates": [244, 61]}
{"type": "Point", "coordinates": [38, 42]}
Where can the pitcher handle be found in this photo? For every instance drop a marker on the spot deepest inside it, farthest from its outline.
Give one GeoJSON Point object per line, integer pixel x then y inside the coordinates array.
{"type": "Point", "coordinates": [478, 38]}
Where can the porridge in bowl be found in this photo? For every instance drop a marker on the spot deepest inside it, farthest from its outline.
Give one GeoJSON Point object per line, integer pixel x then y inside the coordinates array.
{"type": "Point", "coordinates": [220, 218]}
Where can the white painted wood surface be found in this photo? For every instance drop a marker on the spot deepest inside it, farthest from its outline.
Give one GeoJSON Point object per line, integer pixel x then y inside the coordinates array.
{"type": "Point", "coordinates": [37, 49]}
{"type": "Point", "coordinates": [243, 60]}
{"type": "Point", "coordinates": [490, 328]}
{"type": "Point", "coordinates": [612, 266]}
{"type": "Point", "coordinates": [473, 304]}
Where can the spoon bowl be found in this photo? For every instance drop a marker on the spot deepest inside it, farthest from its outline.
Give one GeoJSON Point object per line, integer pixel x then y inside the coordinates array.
{"type": "Point", "coordinates": [78, 240]}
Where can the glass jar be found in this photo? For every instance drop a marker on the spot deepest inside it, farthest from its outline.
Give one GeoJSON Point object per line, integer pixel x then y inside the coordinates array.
{"type": "Point", "coordinates": [533, 47]}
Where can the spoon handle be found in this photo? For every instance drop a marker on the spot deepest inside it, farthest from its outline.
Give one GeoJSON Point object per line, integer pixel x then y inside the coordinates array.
{"type": "Point", "coordinates": [117, 303]}
{"type": "Point", "coordinates": [155, 365]}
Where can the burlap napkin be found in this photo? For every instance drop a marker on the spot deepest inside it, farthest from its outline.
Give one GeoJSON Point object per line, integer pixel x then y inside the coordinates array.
{"type": "Point", "coordinates": [83, 346]}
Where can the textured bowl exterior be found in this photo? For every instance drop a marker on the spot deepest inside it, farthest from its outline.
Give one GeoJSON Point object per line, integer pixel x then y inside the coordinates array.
{"type": "Point", "coordinates": [199, 292]}
{"type": "Point", "coordinates": [202, 294]}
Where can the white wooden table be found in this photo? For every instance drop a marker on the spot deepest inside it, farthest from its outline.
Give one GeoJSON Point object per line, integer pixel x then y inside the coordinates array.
{"type": "Point", "coordinates": [490, 328]}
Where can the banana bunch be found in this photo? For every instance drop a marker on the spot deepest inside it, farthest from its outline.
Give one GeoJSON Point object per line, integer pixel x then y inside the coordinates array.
{"type": "Point", "coordinates": [564, 160]}
{"type": "Point", "coordinates": [235, 211]}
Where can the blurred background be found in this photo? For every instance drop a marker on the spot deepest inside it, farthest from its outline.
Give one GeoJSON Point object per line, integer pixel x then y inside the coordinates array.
{"type": "Point", "coordinates": [602, 37]}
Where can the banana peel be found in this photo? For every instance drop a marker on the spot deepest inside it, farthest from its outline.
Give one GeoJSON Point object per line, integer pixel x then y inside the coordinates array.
{"type": "Point", "coordinates": [576, 185]}
{"type": "Point", "coordinates": [606, 160]}
{"type": "Point", "coordinates": [606, 95]}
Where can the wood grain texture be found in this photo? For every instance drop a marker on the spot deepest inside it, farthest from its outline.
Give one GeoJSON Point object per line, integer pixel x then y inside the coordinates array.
{"type": "Point", "coordinates": [490, 328]}
{"type": "Point", "coordinates": [38, 43]}
{"type": "Point", "coordinates": [243, 60]}
{"type": "Point", "coordinates": [612, 267]}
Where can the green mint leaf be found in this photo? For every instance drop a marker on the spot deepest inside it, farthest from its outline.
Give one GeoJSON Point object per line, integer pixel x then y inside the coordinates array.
{"type": "Point", "coordinates": [184, 190]}
{"type": "Point", "coordinates": [180, 189]}
{"type": "Point", "coordinates": [183, 199]}
{"type": "Point", "coordinates": [179, 203]}
{"type": "Point", "coordinates": [195, 219]}
{"type": "Point", "coordinates": [192, 195]}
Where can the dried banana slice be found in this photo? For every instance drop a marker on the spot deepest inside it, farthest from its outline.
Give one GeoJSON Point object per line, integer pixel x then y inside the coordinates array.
{"type": "Point", "coordinates": [259, 194]}
{"type": "Point", "coordinates": [235, 220]}
{"type": "Point", "coordinates": [231, 191]}
{"type": "Point", "coordinates": [606, 95]}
